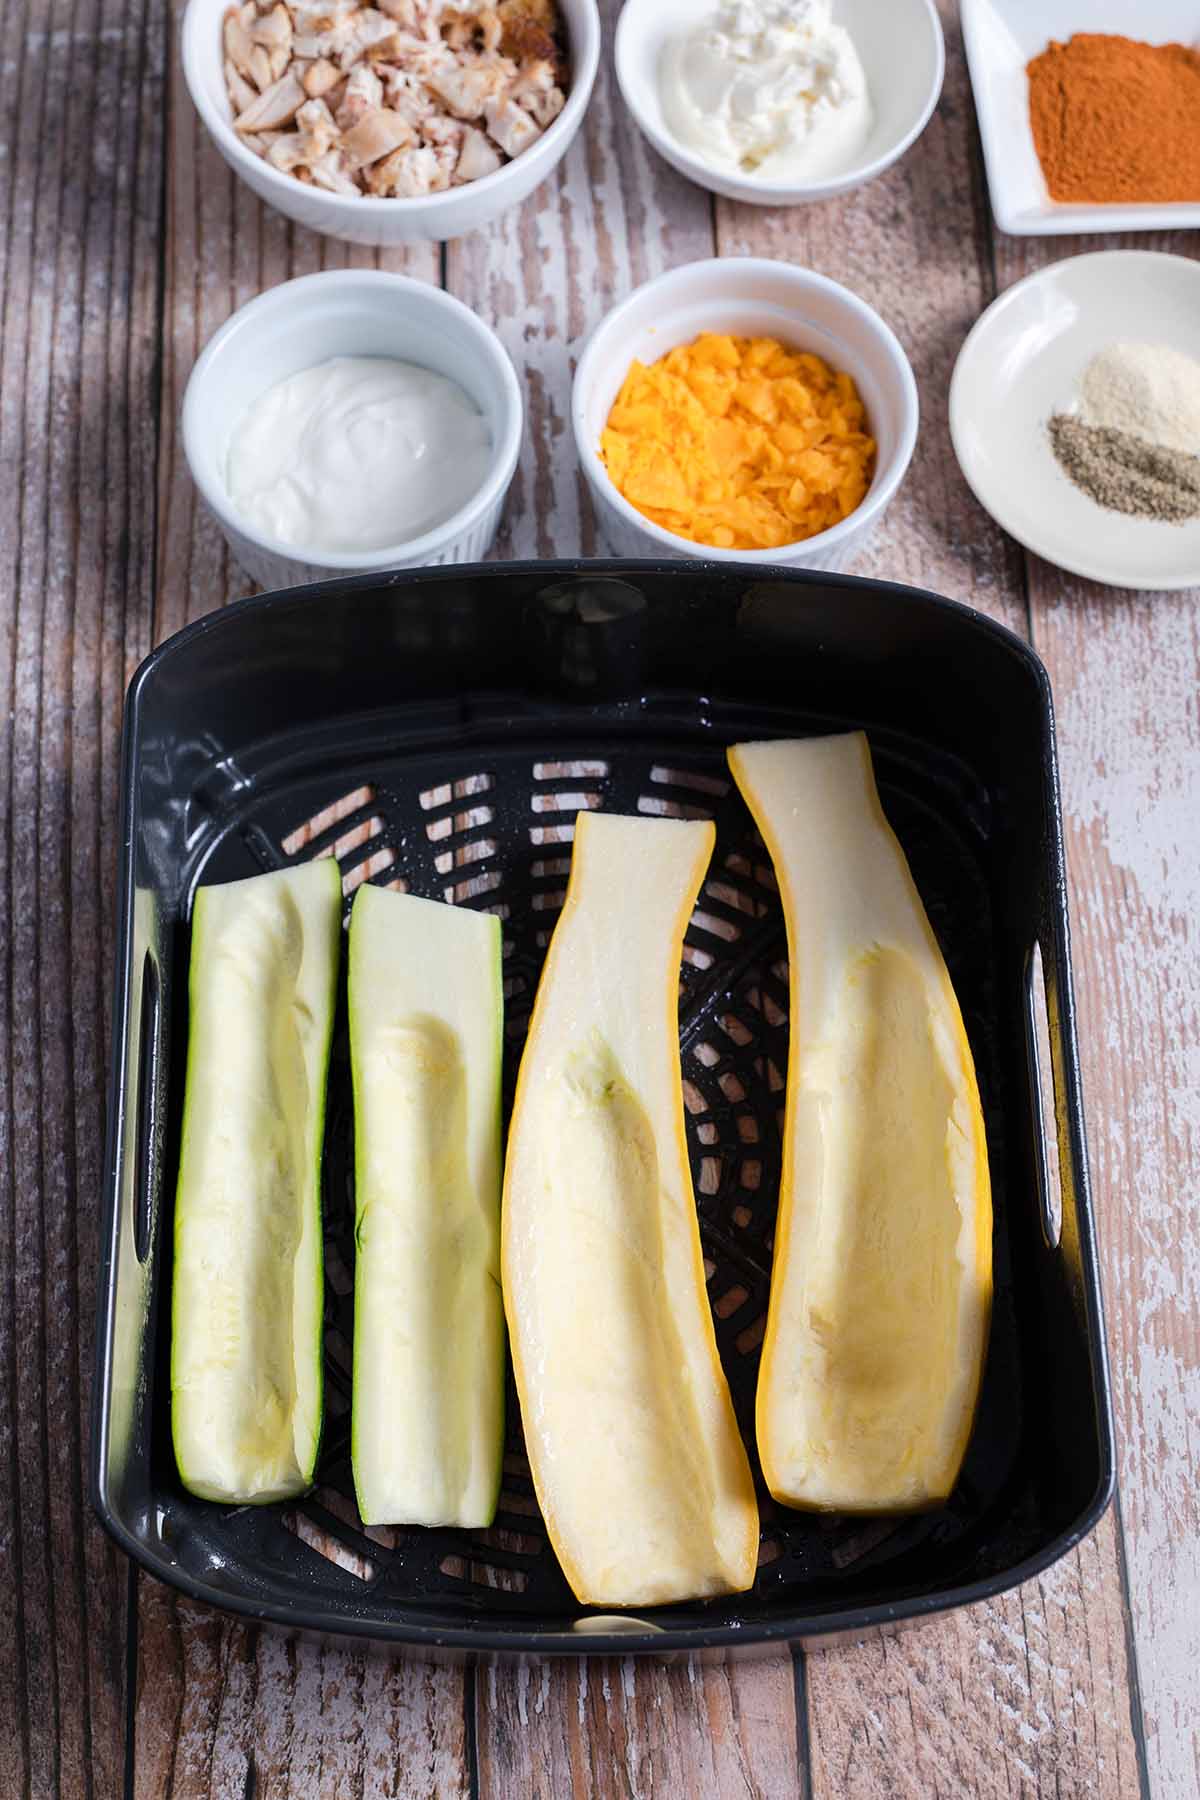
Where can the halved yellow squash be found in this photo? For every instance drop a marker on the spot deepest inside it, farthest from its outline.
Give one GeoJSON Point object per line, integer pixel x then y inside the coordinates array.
{"type": "Point", "coordinates": [881, 1284]}
{"type": "Point", "coordinates": [639, 1468]}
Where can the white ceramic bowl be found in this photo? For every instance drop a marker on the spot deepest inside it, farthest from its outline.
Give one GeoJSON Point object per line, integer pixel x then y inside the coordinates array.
{"type": "Point", "coordinates": [349, 312]}
{"type": "Point", "coordinates": [1022, 361]}
{"type": "Point", "coordinates": [748, 296]}
{"type": "Point", "coordinates": [903, 56]}
{"type": "Point", "coordinates": [363, 218]}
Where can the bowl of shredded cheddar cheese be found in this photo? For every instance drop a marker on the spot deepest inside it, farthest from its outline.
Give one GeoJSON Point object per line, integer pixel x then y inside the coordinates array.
{"type": "Point", "coordinates": [743, 409]}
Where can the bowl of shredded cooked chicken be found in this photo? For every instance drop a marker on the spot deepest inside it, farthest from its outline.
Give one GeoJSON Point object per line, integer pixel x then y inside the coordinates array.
{"type": "Point", "coordinates": [395, 120]}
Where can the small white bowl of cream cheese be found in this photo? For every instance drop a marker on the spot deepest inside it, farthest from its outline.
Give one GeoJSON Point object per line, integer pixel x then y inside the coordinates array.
{"type": "Point", "coordinates": [353, 421]}
{"type": "Point", "coordinates": [778, 102]}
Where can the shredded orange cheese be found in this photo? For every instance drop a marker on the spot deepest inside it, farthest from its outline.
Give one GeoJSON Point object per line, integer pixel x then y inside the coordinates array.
{"type": "Point", "coordinates": [739, 442]}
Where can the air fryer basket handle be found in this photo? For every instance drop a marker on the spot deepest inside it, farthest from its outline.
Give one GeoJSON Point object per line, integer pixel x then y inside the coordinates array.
{"type": "Point", "coordinates": [1077, 1242]}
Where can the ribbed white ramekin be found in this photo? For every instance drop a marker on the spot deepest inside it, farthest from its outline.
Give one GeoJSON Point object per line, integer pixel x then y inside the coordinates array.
{"type": "Point", "coordinates": [349, 312]}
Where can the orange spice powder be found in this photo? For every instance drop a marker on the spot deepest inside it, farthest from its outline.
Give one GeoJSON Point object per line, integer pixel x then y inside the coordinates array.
{"type": "Point", "coordinates": [1115, 120]}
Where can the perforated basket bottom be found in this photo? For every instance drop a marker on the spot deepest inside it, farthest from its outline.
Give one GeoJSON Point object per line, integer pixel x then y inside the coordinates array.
{"type": "Point", "coordinates": [492, 828]}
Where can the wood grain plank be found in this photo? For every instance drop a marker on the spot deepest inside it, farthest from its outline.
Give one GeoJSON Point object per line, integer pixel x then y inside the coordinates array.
{"type": "Point", "coordinates": [634, 1727]}
{"type": "Point", "coordinates": [1026, 1695]}
{"type": "Point", "coordinates": [1132, 669]}
{"type": "Point", "coordinates": [1126, 668]}
{"type": "Point", "coordinates": [225, 1710]}
{"type": "Point", "coordinates": [1030, 1693]}
{"type": "Point", "coordinates": [224, 246]}
{"type": "Point", "coordinates": [78, 424]}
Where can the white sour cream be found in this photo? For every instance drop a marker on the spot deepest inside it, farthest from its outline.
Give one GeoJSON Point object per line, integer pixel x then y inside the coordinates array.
{"type": "Point", "coordinates": [770, 89]}
{"type": "Point", "coordinates": [358, 453]}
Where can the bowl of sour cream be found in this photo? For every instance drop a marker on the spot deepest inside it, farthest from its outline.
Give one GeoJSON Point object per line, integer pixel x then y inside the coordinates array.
{"type": "Point", "coordinates": [353, 421]}
{"type": "Point", "coordinates": [778, 102]}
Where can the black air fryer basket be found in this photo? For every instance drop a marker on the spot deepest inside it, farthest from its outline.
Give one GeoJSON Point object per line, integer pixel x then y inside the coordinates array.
{"type": "Point", "coordinates": [440, 730]}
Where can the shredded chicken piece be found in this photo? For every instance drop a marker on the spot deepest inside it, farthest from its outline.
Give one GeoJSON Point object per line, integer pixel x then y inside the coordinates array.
{"type": "Point", "coordinates": [273, 33]}
{"type": "Point", "coordinates": [374, 137]}
{"type": "Point", "coordinates": [363, 94]}
{"type": "Point", "coordinates": [325, 43]}
{"type": "Point", "coordinates": [239, 48]}
{"type": "Point", "coordinates": [287, 153]}
{"type": "Point", "coordinates": [481, 30]}
{"type": "Point", "coordinates": [314, 16]}
{"type": "Point", "coordinates": [439, 130]}
{"type": "Point", "coordinates": [373, 34]}
{"type": "Point", "coordinates": [405, 94]}
{"type": "Point", "coordinates": [241, 93]}
{"type": "Point", "coordinates": [409, 173]}
{"type": "Point", "coordinates": [307, 146]}
{"type": "Point", "coordinates": [478, 156]}
{"type": "Point", "coordinates": [274, 29]}
{"type": "Point", "coordinates": [278, 106]}
{"type": "Point", "coordinates": [317, 126]}
{"type": "Point", "coordinates": [466, 87]}
{"type": "Point", "coordinates": [397, 98]}
{"type": "Point", "coordinates": [510, 126]}
{"type": "Point", "coordinates": [537, 91]}
{"type": "Point", "coordinates": [527, 31]}
{"type": "Point", "coordinates": [420, 57]}
{"type": "Point", "coordinates": [332, 173]}
{"type": "Point", "coordinates": [319, 77]}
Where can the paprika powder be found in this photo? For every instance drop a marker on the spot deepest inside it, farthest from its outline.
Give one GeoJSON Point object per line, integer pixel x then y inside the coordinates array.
{"type": "Point", "coordinates": [1116, 120]}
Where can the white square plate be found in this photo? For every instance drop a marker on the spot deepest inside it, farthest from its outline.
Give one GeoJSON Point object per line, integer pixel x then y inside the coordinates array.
{"type": "Point", "coordinates": [1000, 37]}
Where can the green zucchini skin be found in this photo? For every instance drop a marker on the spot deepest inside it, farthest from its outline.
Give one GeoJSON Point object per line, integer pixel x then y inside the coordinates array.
{"type": "Point", "coordinates": [248, 1283]}
{"type": "Point", "coordinates": [426, 1015]}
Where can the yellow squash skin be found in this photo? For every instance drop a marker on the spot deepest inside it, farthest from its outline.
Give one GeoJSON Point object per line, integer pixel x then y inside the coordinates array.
{"type": "Point", "coordinates": [881, 1284]}
{"type": "Point", "coordinates": [639, 1468]}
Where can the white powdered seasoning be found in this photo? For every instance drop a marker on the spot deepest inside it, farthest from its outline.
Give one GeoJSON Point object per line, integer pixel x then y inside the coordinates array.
{"type": "Point", "coordinates": [1146, 390]}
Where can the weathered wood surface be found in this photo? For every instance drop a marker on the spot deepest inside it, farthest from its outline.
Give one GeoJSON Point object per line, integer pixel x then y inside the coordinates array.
{"type": "Point", "coordinates": [1126, 673]}
{"type": "Point", "coordinates": [79, 266]}
{"type": "Point", "coordinates": [227, 1711]}
{"type": "Point", "coordinates": [1033, 1694]}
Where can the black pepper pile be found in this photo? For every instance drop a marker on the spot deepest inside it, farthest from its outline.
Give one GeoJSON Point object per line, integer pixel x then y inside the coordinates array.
{"type": "Point", "coordinates": [1125, 473]}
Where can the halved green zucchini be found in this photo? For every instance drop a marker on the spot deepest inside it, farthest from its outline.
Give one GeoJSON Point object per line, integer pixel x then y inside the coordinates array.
{"type": "Point", "coordinates": [246, 1312]}
{"type": "Point", "coordinates": [426, 1011]}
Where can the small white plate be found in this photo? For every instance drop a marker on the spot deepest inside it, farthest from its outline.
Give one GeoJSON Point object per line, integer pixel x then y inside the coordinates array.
{"type": "Point", "coordinates": [1000, 37]}
{"type": "Point", "coordinates": [1023, 361]}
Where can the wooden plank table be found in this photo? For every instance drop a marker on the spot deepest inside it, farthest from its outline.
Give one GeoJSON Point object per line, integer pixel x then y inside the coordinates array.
{"type": "Point", "coordinates": [125, 242]}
